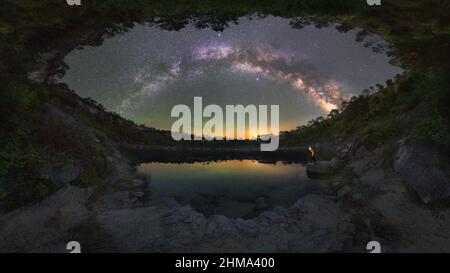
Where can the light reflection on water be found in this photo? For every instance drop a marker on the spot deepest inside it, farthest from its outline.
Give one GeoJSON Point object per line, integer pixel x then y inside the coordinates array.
{"type": "Point", "coordinates": [234, 188]}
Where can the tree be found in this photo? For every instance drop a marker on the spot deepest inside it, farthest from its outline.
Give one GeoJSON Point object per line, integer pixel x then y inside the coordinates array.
{"type": "Point", "coordinates": [333, 113]}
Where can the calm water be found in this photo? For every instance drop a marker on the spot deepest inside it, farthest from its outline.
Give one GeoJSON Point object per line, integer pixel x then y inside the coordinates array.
{"type": "Point", "coordinates": [233, 188]}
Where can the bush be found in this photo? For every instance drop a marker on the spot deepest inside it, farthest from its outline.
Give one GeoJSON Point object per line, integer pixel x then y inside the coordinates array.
{"type": "Point", "coordinates": [378, 132]}
{"type": "Point", "coordinates": [434, 129]}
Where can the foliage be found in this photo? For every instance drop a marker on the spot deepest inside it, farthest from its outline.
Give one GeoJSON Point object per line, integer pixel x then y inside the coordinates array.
{"type": "Point", "coordinates": [376, 133]}
{"type": "Point", "coordinates": [435, 129]}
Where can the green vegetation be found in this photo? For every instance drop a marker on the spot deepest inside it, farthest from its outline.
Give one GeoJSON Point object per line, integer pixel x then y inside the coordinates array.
{"type": "Point", "coordinates": [46, 124]}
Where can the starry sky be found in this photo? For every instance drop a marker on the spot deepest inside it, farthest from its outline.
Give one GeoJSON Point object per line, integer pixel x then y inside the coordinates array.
{"type": "Point", "coordinates": [144, 72]}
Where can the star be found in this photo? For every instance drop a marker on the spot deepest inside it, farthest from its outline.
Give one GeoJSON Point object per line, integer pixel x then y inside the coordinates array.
{"type": "Point", "coordinates": [149, 66]}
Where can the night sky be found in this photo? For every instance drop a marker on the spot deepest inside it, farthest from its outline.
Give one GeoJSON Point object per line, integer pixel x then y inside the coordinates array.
{"type": "Point", "coordinates": [143, 73]}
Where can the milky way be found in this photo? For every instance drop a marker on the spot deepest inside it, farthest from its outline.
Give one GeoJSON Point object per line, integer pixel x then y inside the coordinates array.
{"type": "Point", "coordinates": [276, 66]}
{"type": "Point", "coordinates": [143, 73]}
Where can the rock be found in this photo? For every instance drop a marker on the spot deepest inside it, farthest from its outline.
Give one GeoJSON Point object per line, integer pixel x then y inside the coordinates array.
{"type": "Point", "coordinates": [370, 160]}
{"type": "Point", "coordinates": [311, 224]}
{"type": "Point", "coordinates": [246, 226]}
{"type": "Point", "coordinates": [423, 169]}
{"type": "Point", "coordinates": [337, 163]}
{"type": "Point", "coordinates": [118, 200]}
{"type": "Point", "coordinates": [360, 152]}
{"type": "Point", "coordinates": [137, 183]}
{"type": "Point", "coordinates": [319, 170]}
{"type": "Point", "coordinates": [62, 175]}
{"type": "Point", "coordinates": [344, 153]}
{"type": "Point", "coordinates": [35, 228]}
{"type": "Point", "coordinates": [323, 169]}
{"type": "Point", "coordinates": [136, 229]}
{"type": "Point", "coordinates": [169, 202]}
{"type": "Point", "coordinates": [43, 68]}
{"type": "Point", "coordinates": [358, 197]}
{"type": "Point", "coordinates": [218, 225]}
{"type": "Point", "coordinates": [344, 191]}
{"type": "Point", "coordinates": [171, 219]}
{"type": "Point", "coordinates": [136, 194]}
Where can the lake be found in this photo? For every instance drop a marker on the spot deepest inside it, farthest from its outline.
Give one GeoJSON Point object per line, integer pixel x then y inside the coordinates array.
{"type": "Point", "coordinates": [234, 188]}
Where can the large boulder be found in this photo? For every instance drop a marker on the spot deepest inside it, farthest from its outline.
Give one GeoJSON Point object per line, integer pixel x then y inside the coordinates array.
{"type": "Point", "coordinates": [424, 170]}
{"type": "Point", "coordinates": [44, 226]}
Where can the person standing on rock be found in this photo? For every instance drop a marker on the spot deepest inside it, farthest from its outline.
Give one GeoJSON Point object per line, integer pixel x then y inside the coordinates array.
{"type": "Point", "coordinates": [313, 156]}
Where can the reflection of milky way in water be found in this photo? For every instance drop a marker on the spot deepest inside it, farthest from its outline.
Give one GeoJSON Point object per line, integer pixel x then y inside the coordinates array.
{"type": "Point", "coordinates": [143, 73]}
